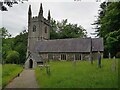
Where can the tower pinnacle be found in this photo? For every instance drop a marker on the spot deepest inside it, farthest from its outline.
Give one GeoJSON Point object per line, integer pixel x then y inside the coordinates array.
{"type": "Point", "coordinates": [49, 15]}
{"type": "Point", "coordinates": [41, 10]}
{"type": "Point", "coordinates": [29, 14]}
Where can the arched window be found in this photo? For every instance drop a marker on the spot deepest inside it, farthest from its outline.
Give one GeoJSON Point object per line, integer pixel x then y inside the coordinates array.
{"type": "Point", "coordinates": [45, 29]}
{"type": "Point", "coordinates": [34, 28]}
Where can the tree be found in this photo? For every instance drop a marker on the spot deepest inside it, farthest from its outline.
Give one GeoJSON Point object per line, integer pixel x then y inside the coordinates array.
{"type": "Point", "coordinates": [20, 45]}
{"type": "Point", "coordinates": [7, 45]}
{"type": "Point", "coordinates": [4, 33]}
{"type": "Point", "coordinates": [61, 30]}
{"type": "Point", "coordinates": [13, 57]}
{"type": "Point", "coordinates": [113, 42]}
{"type": "Point", "coordinates": [8, 3]}
{"type": "Point", "coordinates": [108, 26]}
{"type": "Point", "coordinates": [53, 31]}
{"type": "Point", "coordinates": [7, 42]}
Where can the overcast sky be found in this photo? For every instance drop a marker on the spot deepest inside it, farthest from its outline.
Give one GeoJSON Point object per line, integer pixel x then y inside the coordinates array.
{"type": "Point", "coordinates": [81, 13]}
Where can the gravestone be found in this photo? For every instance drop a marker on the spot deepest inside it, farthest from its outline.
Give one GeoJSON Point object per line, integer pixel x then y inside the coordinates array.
{"type": "Point", "coordinates": [109, 56]}
{"type": "Point", "coordinates": [48, 69]}
{"type": "Point", "coordinates": [99, 60]}
{"type": "Point", "coordinates": [114, 64]}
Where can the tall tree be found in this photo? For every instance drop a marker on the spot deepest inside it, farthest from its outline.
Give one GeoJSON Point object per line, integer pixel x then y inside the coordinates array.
{"type": "Point", "coordinates": [108, 26]}
{"type": "Point", "coordinates": [61, 30]}
{"type": "Point", "coordinates": [20, 45]}
{"type": "Point", "coordinates": [10, 44]}
{"type": "Point", "coordinates": [7, 42]}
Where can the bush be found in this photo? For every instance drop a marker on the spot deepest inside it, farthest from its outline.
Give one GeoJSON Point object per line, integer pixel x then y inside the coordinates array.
{"type": "Point", "coordinates": [118, 55]}
{"type": "Point", "coordinates": [12, 57]}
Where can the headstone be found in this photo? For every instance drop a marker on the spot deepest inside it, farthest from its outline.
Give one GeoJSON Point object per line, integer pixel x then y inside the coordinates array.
{"type": "Point", "coordinates": [114, 64]}
{"type": "Point", "coordinates": [48, 70]}
{"type": "Point", "coordinates": [114, 57]}
{"type": "Point", "coordinates": [109, 56]}
{"type": "Point", "coordinates": [99, 60]}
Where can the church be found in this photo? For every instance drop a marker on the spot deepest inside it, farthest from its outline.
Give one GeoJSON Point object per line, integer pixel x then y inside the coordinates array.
{"type": "Point", "coordinates": [40, 48]}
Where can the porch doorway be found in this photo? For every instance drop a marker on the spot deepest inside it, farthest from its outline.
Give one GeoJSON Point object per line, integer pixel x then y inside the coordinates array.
{"type": "Point", "coordinates": [30, 63]}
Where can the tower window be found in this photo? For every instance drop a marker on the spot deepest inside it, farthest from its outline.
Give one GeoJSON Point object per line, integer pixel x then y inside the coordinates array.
{"type": "Point", "coordinates": [34, 28]}
{"type": "Point", "coordinates": [45, 29]}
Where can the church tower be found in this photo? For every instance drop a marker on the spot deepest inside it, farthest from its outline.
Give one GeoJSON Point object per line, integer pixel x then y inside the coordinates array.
{"type": "Point", "coordinates": [38, 28]}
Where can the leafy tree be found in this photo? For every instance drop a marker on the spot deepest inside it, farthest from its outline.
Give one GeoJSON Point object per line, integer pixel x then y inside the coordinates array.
{"type": "Point", "coordinates": [8, 3]}
{"type": "Point", "coordinates": [108, 26]}
{"type": "Point", "coordinates": [7, 45]}
{"type": "Point", "coordinates": [21, 48]}
{"type": "Point", "coordinates": [12, 57]}
{"type": "Point", "coordinates": [4, 33]}
{"type": "Point", "coordinates": [53, 30]}
{"type": "Point", "coordinates": [20, 45]}
{"type": "Point", "coordinates": [61, 30]}
{"type": "Point", "coordinates": [113, 42]}
{"type": "Point", "coordinates": [7, 42]}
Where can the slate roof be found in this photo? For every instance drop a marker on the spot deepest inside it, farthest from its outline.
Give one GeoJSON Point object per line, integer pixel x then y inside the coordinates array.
{"type": "Point", "coordinates": [97, 44]}
{"type": "Point", "coordinates": [35, 56]}
{"type": "Point", "coordinates": [70, 45]}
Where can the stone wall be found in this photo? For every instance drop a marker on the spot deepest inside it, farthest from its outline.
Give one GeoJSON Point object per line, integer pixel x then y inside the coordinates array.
{"type": "Point", "coordinates": [70, 56]}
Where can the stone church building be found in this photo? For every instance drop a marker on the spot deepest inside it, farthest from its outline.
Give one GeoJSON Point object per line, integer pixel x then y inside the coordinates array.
{"type": "Point", "coordinates": [40, 48]}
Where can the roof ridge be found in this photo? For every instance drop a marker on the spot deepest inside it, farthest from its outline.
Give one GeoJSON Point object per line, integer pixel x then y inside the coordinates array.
{"type": "Point", "coordinates": [64, 39]}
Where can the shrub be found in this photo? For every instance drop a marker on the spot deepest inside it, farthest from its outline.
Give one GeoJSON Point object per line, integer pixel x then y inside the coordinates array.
{"type": "Point", "coordinates": [12, 57]}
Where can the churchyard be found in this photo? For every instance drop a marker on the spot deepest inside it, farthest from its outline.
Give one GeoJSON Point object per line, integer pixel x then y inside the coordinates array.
{"type": "Point", "coordinates": [69, 74]}
{"type": "Point", "coordinates": [82, 74]}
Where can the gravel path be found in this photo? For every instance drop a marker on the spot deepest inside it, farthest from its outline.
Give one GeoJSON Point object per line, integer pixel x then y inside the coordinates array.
{"type": "Point", "coordinates": [25, 80]}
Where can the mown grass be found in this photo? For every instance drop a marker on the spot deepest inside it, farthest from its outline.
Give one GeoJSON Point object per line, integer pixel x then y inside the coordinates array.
{"type": "Point", "coordinates": [65, 74]}
{"type": "Point", "coordinates": [9, 72]}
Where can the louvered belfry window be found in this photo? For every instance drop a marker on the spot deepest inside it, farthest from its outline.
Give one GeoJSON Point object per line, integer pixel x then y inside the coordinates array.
{"type": "Point", "coordinates": [34, 28]}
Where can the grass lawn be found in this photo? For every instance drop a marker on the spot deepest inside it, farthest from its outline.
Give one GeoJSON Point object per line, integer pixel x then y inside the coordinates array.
{"type": "Point", "coordinates": [10, 71]}
{"type": "Point", "coordinates": [65, 74]}
{"type": "Point", "coordinates": [0, 76]}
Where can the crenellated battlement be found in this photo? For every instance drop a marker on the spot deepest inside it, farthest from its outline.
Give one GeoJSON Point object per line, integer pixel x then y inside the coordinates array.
{"type": "Point", "coordinates": [34, 18]}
